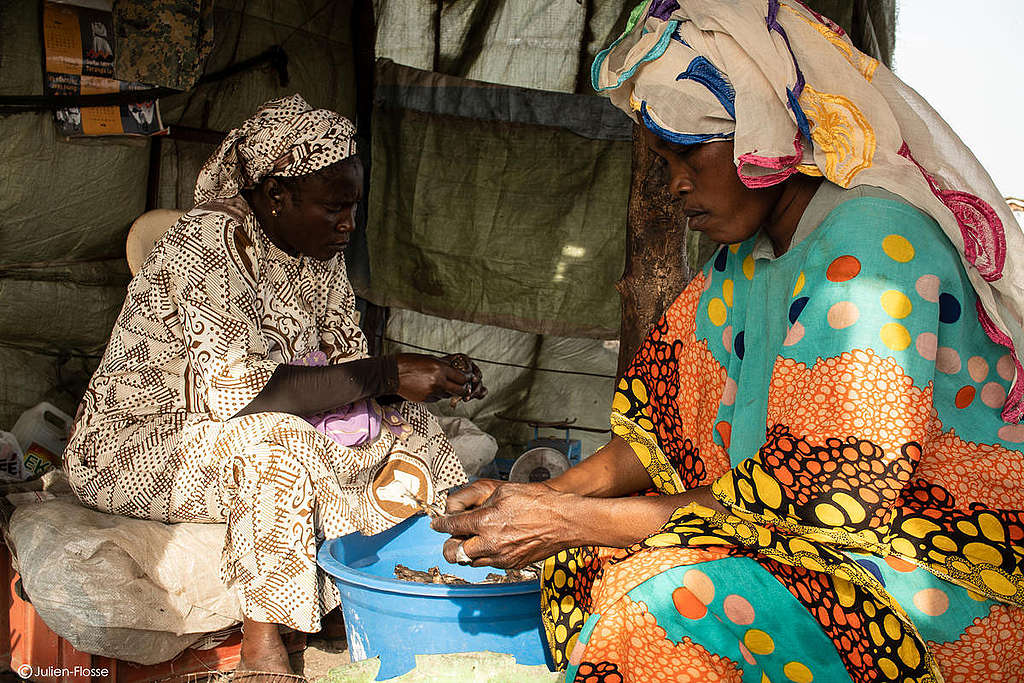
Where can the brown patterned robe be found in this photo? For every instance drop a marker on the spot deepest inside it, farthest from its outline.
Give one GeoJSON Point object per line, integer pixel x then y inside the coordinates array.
{"type": "Point", "coordinates": [213, 311]}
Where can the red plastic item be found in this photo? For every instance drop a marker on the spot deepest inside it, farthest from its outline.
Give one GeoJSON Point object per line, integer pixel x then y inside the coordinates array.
{"type": "Point", "coordinates": [29, 648]}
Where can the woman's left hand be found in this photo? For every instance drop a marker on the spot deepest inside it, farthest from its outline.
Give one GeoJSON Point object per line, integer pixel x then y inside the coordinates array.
{"type": "Point", "coordinates": [474, 387]}
{"type": "Point", "coordinates": [516, 525]}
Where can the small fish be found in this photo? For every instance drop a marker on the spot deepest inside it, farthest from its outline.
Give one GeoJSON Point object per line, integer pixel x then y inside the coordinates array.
{"type": "Point", "coordinates": [432, 575]}
{"type": "Point", "coordinates": [432, 510]}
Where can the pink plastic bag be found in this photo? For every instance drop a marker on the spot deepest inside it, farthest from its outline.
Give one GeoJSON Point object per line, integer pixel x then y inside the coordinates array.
{"type": "Point", "coordinates": [352, 425]}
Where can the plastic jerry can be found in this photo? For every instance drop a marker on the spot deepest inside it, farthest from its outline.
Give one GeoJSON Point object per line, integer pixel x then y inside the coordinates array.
{"type": "Point", "coordinates": [42, 432]}
{"type": "Point", "coordinates": [10, 458]}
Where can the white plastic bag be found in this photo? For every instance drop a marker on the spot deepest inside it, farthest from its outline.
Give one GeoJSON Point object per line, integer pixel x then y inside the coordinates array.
{"type": "Point", "coordinates": [475, 447]}
{"type": "Point", "coordinates": [136, 590]}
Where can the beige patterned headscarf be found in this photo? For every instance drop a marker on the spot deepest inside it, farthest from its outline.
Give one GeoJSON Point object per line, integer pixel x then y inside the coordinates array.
{"type": "Point", "coordinates": [795, 96]}
{"type": "Point", "coordinates": [285, 137]}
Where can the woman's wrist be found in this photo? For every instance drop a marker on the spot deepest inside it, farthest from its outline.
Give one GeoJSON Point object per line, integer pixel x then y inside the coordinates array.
{"type": "Point", "coordinates": [616, 522]}
{"type": "Point", "coordinates": [612, 471]}
{"type": "Point", "coordinates": [621, 522]}
{"type": "Point", "coordinates": [389, 375]}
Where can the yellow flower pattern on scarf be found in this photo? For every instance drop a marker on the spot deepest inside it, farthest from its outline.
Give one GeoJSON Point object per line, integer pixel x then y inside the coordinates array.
{"type": "Point", "coordinates": [841, 132]}
{"type": "Point", "coordinates": [863, 63]}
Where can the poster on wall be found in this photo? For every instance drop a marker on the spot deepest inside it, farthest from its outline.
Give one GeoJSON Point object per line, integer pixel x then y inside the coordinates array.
{"type": "Point", "coordinates": [78, 39]}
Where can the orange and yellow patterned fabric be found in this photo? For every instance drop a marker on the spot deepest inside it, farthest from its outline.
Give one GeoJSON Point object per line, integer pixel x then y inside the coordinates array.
{"type": "Point", "coordinates": [843, 403]}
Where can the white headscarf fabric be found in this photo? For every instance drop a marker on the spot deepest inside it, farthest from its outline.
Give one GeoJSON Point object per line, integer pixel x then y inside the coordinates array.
{"type": "Point", "coordinates": [285, 137]}
{"type": "Point", "coordinates": [789, 88]}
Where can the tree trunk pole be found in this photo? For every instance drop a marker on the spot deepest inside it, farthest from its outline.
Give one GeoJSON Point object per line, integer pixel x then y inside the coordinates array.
{"type": "Point", "coordinates": [656, 268]}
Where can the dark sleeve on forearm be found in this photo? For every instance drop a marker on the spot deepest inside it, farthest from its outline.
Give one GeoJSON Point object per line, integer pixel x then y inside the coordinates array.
{"type": "Point", "coordinates": [306, 391]}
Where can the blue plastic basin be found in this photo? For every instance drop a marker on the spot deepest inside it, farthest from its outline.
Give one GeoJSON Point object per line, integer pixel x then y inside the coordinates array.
{"type": "Point", "coordinates": [397, 620]}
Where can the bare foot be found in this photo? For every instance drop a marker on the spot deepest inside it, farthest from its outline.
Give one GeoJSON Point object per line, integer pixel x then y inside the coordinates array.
{"type": "Point", "coordinates": [262, 648]}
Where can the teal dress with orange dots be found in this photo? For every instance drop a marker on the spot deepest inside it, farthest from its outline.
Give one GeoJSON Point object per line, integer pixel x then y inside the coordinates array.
{"type": "Point", "coordinates": [842, 400]}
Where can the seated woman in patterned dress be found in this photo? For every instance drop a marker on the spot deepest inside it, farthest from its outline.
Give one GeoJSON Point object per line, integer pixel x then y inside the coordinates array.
{"type": "Point", "coordinates": [238, 327]}
{"type": "Point", "coordinates": [825, 424]}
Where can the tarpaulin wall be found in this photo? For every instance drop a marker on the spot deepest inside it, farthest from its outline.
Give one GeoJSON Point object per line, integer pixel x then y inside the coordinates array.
{"type": "Point", "coordinates": [497, 205]}
{"type": "Point", "coordinates": [66, 206]}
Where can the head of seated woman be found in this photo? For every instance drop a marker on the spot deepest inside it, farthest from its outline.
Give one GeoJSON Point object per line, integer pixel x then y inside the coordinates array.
{"type": "Point", "coordinates": [703, 178]}
{"type": "Point", "coordinates": [311, 215]}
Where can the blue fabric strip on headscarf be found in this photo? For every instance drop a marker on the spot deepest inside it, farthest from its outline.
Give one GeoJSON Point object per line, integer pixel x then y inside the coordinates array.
{"type": "Point", "coordinates": [798, 113]}
{"type": "Point", "coordinates": [707, 74]}
{"type": "Point", "coordinates": [679, 138]}
{"type": "Point", "coordinates": [679, 38]}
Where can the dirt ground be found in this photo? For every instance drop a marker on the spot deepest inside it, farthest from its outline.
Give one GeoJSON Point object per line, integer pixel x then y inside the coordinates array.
{"type": "Point", "coordinates": [322, 654]}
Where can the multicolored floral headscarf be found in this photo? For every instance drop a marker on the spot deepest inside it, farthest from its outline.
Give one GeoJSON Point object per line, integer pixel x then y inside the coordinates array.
{"type": "Point", "coordinates": [285, 137]}
{"type": "Point", "coordinates": [788, 87]}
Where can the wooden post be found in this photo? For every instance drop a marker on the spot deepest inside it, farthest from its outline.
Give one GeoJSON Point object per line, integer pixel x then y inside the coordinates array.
{"type": "Point", "coordinates": [657, 267]}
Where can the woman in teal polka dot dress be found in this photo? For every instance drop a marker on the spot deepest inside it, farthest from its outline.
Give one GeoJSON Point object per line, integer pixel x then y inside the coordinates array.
{"type": "Point", "coordinates": [826, 422]}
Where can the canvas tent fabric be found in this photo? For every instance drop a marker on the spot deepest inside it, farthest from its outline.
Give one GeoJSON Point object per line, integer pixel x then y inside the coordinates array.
{"type": "Point", "coordinates": [497, 205]}
{"type": "Point", "coordinates": [527, 43]}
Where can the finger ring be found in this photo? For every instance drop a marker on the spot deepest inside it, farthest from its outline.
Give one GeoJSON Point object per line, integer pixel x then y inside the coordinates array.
{"type": "Point", "coordinates": [461, 557]}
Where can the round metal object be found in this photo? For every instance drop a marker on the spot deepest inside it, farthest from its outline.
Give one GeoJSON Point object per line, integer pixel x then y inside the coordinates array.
{"type": "Point", "coordinates": [538, 464]}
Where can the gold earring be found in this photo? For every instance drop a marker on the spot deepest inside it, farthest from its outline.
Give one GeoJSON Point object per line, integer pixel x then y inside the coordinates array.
{"type": "Point", "coordinates": [273, 212]}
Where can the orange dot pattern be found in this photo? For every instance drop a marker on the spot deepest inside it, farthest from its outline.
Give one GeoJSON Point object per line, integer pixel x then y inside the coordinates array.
{"type": "Point", "coordinates": [829, 399]}
{"type": "Point", "coordinates": [628, 645]}
{"type": "Point", "coordinates": [859, 645]}
{"type": "Point", "coordinates": [855, 393]}
{"type": "Point", "coordinates": [985, 474]}
{"type": "Point", "coordinates": [879, 489]}
{"type": "Point", "coordinates": [642, 564]}
{"type": "Point", "coordinates": [601, 576]}
{"type": "Point", "coordinates": [870, 629]}
{"type": "Point", "coordinates": [842, 269]}
{"type": "Point", "coordinates": [602, 672]}
{"type": "Point", "coordinates": [964, 397]}
{"type": "Point", "coordinates": [990, 649]}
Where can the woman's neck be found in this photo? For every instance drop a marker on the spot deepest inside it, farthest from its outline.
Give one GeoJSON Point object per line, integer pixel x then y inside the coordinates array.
{"type": "Point", "coordinates": [796, 195]}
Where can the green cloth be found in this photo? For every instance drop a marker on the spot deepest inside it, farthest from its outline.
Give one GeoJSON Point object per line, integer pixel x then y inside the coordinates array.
{"type": "Point", "coordinates": [503, 217]}
{"type": "Point", "coordinates": [162, 42]}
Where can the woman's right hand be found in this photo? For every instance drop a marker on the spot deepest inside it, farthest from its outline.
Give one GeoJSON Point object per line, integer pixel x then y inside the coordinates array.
{"type": "Point", "coordinates": [471, 496]}
{"type": "Point", "coordinates": [515, 524]}
{"type": "Point", "coordinates": [427, 378]}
